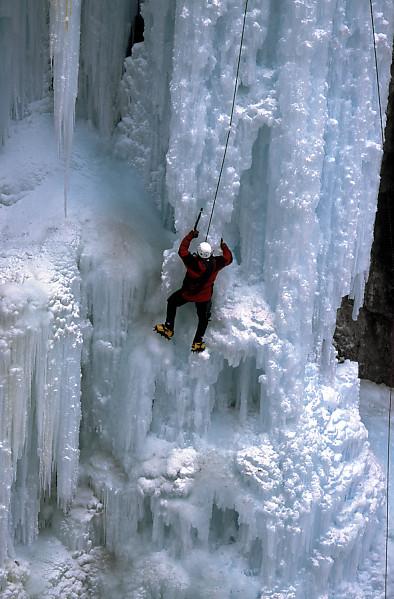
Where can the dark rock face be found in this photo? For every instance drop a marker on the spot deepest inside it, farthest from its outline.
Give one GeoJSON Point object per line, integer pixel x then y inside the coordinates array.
{"type": "Point", "coordinates": [370, 340]}
{"type": "Point", "coordinates": [366, 341]}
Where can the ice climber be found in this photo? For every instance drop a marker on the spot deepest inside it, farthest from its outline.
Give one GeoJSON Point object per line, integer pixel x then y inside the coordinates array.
{"type": "Point", "coordinates": [202, 269]}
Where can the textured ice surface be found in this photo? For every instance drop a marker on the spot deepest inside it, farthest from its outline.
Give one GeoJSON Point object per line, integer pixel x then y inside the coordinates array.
{"type": "Point", "coordinates": [105, 30]}
{"type": "Point", "coordinates": [189, 472]}
{"type": "Point", "coordinates": [23, 66]}
{"type": "Point", "coordinates": [374, 410]}
{"type": "Point", "coordinates": [41, 339]}
{"type": "Point", "coordinates": [65, 25]}
{"type": "Point", "coordinates": [144, 101]}
{"type": "Point", "coordinates": [244, 471]}
{"type": "Point", "coordinates": [298, 193]}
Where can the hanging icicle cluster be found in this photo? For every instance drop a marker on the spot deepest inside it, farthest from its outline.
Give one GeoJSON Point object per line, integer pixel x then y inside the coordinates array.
{"type": "Point", "coordinates": [65, 21]}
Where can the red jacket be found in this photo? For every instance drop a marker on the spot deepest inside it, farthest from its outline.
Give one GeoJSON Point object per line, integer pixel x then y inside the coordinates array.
{"type": "Point", "coordinates": [201, 274]}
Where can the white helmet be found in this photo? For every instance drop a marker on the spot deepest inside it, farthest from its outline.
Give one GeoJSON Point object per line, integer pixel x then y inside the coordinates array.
{"type": "Point", "coordinates": [204, 250]}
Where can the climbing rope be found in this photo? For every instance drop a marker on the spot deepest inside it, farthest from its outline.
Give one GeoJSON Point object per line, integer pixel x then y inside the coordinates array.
{"type": "Point", "coordinates": [392, 334]}
{"type": "Point", "coordinates": [377, 72]}
{"type": "Point", "coordinates": [231, 118]}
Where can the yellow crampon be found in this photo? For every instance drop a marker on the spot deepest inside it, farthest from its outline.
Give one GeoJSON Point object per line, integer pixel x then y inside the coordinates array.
{"type": "Point", "coordinates": [164, 331]}
{"type": "Point", "coordinates": [198, 346]}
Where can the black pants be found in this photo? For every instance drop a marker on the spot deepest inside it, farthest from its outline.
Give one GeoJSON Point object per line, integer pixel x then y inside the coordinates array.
{"type": "Point", "coordinates": [203, 312]}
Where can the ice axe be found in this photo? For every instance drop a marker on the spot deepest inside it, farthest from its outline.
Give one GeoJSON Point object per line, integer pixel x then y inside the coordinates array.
{"type": "Point", "coordinates": [198, 220]}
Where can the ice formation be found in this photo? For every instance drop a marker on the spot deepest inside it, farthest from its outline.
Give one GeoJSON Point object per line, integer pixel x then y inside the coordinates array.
{"type": "Point", "coordinates": [245, 471]}
{"type": "Point", "coordinates": [105, 29]}
{"type": "Point", "coordinates": [65, 24]}
{"type": "Point", "coordinates": [23, 70]}
{"type": "Point", "coordinates": [41, 347]}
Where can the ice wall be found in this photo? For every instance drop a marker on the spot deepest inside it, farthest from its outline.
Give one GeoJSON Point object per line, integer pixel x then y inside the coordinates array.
{"type": "Point", "coordinates": [143, 133]}
{"type": "Point", "coordinates": [237, 472]}
{"type": "Point", "coordinates": [191, 484]}
{"type": "Point", "coordinates": [40, 341]}
{"type": "Point", "coordinates": [105, 30]}
{"type": "Point", "coordinates": [298, 195]}
{"type": "Point", "coordinates": [297, 205]}
{"type": "Point", "coordinates": [23, 67]}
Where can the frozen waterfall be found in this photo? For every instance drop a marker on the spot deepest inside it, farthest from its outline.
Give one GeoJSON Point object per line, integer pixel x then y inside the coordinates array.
{"type": "Point", "coordinates": [65, 22]}
{"type": "Point", "coordinates": [146, 471]}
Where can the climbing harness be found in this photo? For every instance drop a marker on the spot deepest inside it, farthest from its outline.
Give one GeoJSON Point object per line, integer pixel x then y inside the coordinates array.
{"type": "Point", "coordinates": [392, 335]}
{"type": "Point", "coordinates": [231, 119]}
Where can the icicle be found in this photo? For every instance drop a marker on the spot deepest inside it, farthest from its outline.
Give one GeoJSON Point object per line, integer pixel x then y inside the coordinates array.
{"type": "Point", "coordinates": [65, 20]}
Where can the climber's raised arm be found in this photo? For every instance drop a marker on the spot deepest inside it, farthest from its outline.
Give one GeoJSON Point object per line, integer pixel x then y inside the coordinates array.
{"type": "Point", "coordinates": [227, 257]}
{"type": "Point", "coordinates": [185, 244]}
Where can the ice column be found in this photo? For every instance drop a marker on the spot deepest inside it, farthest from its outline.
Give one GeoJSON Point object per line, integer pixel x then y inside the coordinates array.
{"type": "Point", "coordinates": [65, 19]}
{"type": "Point", "coordinates": [23, 65]}
{"type": "Point", "coordinates": [40, 366]}
{"type": "Point", "coordinates": [349, 179]}
{"type": "Point", "coordinates": [143, 133]}
{"type": "Point", "coordinates": [105, 29]}
{"type": "Point", "coordinates": [299, 187]}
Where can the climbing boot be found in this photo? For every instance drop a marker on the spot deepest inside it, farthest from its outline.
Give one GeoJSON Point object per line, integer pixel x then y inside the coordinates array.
{"type": "Point", "coordinates": [198, 346]}
{"type": "Point", "coordinates": [164, 331]}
